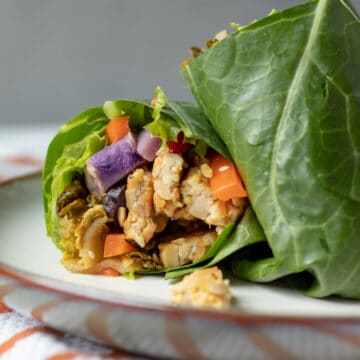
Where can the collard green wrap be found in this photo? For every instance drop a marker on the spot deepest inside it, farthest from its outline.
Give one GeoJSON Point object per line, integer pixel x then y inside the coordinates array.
{"type": "Point", "coordinates": [83, 136]}
{"type": "Point", "coordinates": [283, 93]}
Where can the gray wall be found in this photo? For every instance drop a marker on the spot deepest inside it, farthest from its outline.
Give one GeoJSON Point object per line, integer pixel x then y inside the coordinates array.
{"type": "Point", "coordinates": [58, 57]}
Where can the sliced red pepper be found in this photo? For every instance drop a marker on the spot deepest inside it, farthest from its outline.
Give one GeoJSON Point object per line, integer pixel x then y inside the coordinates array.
{"type": "Point", "coordinates": [179, 146]}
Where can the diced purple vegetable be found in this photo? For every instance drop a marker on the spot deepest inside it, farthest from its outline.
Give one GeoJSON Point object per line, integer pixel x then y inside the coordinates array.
{"type": "Point", "coordinates": [113, 199]}
{"type": "Point", "coordinates": [147, 145]}
{"type": "Point", "coordinates": [111, 164]}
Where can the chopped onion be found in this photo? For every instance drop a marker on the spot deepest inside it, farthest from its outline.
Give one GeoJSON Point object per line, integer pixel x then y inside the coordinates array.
{"type": "Point", "coordinates": [147, 145]}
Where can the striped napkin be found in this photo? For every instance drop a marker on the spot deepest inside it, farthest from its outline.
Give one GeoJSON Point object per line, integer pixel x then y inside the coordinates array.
{"type": "Point", "coordinates": [21, 338]}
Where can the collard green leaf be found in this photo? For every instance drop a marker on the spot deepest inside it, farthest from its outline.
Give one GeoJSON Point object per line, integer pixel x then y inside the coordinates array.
{"type": "Point", "coordinates": [284, 95]}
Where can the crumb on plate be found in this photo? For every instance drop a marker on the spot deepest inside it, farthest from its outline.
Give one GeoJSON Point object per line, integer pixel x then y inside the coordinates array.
{"type": "Point", "coordinates": [204, 288]}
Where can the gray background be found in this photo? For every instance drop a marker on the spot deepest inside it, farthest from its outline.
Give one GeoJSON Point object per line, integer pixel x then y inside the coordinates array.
{"type": "Point", "coordinates": [58, 57]}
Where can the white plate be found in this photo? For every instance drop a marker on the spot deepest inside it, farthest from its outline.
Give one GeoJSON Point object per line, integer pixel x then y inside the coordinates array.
{"type": "Point", "coordinates": [33, 282]}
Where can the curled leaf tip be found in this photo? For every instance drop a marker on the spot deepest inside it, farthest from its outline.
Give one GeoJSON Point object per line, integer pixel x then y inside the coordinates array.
{"type": "Point", "coordinates": [159, 101]}
{"type": "Point", "coordinates": [236, 26]}
{"type": "Point", "coordinates": [111, 109]}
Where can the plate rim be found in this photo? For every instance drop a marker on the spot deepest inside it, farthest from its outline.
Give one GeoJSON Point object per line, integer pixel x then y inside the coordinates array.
{"type": "Point", "coordinates": [80, 292]}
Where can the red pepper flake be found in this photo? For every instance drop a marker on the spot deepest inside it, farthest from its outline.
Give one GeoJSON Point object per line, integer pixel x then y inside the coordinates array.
{"type": "Point", "coordinates": [179, 146]}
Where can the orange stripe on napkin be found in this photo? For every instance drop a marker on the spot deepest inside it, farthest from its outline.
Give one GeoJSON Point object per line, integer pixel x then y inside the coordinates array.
{"type": "Point", "coordinates": [38, 312]}
{"type": "Point", "coordinates": [179, 337]}
{"type": "Point", "coordinates": [353, 339]}
{"type": "Point", "coordinates": [96, 324]}
{"type": "Point", "coordinates": [5, 289]}
{"type": "Point", "coordinates": [270, 347]}
{"type": "Point", "coordinates": [72, 354]}
{"type": "Point", "coordinates": [23, 160]}
{"type": "Point", "coordinates": [8, 344]}
{"type": "Point", "coordinates": [65, 355]}
{"type": "Point", "coordinates": [3, 308]}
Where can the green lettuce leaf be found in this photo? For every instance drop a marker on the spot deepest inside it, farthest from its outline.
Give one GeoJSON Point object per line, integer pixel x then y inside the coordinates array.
{"type": "Point", "coordinates": [166, 126]}
{"type": "Point", "coordinates": [283, 93]}
{"type": "Point", "coordinates": [77, 140]}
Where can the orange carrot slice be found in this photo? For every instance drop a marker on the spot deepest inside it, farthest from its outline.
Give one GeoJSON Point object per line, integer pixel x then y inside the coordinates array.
{"type": "Point", "coordinates": [109, 271]}
{"type": "Point", "coordinates": [117, 128]}
{"type": "Point", "coordinates": [225, 183]}
{"type": "Point", "coordinates": [116, 244]}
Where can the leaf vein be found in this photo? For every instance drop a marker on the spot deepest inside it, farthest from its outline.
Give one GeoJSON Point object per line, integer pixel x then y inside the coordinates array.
{"type": "Point", "coordinates": [287, 107]}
